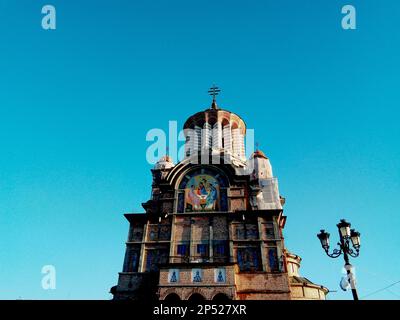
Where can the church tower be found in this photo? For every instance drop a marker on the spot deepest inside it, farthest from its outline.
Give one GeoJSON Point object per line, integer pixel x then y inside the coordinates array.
{"type": "Point", "coordinates": [213, 228]}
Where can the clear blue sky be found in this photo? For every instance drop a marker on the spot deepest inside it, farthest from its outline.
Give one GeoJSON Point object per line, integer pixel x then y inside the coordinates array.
{"type": "Point", "coordinates": [76, 104]}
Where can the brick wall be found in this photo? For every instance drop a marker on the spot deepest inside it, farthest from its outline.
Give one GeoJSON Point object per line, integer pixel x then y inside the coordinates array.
{"type": "Point", "coordinates": [262, 285]}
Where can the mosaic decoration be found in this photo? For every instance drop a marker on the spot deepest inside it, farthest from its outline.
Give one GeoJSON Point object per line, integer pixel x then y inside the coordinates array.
{"type": "Point", "coordinates": [202, 194]}
{"type": "Point", "coordinates": [203, 190]}
{"type": "Point", "coordinates": [197, 275]}
{"type": "Point", "coordinates": [220, 275]}
{"type": "Point", "coordinates": [173, 275]}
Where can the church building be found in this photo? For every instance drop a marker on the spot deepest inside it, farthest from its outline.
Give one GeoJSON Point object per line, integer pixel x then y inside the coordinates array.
{"type": "Point", "coordinates": [213, 227]}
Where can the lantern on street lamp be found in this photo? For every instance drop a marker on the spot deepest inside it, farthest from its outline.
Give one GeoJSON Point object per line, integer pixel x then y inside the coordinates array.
{"type": "Point", "coordinates": [324, 238]}
{"type": "Point", "coordinates": [344, 228]}
{"type": "Point", "coordinates": [355, 239]}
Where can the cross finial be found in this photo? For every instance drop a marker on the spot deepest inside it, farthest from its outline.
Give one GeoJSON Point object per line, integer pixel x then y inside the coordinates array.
{"type": "Point", "coordinates": [257, 145]}
{"type": "Point", "coordinates": [214, 91]}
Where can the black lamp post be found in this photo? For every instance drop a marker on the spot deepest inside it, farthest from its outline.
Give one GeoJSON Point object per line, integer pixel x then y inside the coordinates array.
{"type": "Point", "coordinates": [346, 235]}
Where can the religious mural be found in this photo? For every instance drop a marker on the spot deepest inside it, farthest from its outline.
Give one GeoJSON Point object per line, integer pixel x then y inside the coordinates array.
{"type": "Point", "coordinates": [202, 193]}
{"type": "Point", "coordinates": [197, 275]}
{"type": "Point", "coordinates": [173, 275]}
{"type": "Point", "coordinates": [220, 275]}
{"type": "Point", "coordinates": [203, 190]}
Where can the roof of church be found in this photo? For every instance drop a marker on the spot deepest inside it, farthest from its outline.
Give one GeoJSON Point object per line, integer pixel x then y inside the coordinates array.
{"type": "Point", "coordinates": [164, 163]}
{"type": "Point", "coordinates": [258, 154]}
{"type": "Point", "coordinates": [294, 280]}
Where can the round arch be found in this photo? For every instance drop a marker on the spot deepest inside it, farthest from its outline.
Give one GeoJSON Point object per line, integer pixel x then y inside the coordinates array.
{"type": "Point", "coordinates": [178, 173]}
{"type": "Point", "coordinates": [225, 122]}
{"type": "Point", "coordinates": [219, 175]}
{"type": "Point", "coordinates": [221, 297]}
{"type": "Point", "coordinates": [196, 297]}
{"type": "Point", "coordinates": [172, 297]}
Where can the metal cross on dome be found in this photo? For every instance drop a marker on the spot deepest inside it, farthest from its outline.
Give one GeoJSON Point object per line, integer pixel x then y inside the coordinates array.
{"type": "Point", "coordinates": [214, 91]}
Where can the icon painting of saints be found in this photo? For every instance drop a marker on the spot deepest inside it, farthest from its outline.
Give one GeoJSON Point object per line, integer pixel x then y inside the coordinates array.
{"type": "Point", "coordinates": [173, 275]}
{"type": "Point", "coordinates": [196, 275]}
{"type": "Point", "coordinates": [219, 275]}
{"type": "Point", "coordinates": [202, 194]}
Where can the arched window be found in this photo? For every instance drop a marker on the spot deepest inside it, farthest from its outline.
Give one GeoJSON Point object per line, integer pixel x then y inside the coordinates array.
{"type": "Point", "coordinates": [226, 135]}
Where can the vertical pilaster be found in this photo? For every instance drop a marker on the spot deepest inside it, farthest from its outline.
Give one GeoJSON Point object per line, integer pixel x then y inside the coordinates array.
{"type": "Point", "coordinates": [172, 239]}
{"type": "Point", "coordinates": [143, 247]}
{"type": "Point", "coordinates": [262, 245]}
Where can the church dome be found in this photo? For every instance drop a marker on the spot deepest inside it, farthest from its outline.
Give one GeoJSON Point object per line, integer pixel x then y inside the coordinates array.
{"type": "Point", "coordinates": [217, 129]}
{"type": "Point", "coordinates": [164, 163]}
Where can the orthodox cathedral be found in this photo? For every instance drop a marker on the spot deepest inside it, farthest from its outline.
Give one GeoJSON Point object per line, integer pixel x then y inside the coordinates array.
{"type": "Point", "coordinates": [213, 227]}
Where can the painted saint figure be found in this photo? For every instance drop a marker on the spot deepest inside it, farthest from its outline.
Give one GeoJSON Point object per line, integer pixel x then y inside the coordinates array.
{"type": "Point", "coordinates": [220, 277]}
{"type": "Point", "coordinates": [201, 190]}
{"type": "Point", "coordinates": [197, 277]}
{"type": "Point", "coordinates": [193, 198]}
{"type": "Point", "coordinates": [173, 277]}
{"type": "Point", "coordinates": [212, 197]}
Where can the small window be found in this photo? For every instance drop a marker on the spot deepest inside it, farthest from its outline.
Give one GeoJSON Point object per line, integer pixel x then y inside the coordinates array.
{"type": "Point", "coordinates": [202, 249]}
{"type": "Point", "coordinates": [249, 259]}
{"type": "Point", "coordinates": [135, 261]}
{"type": "Point", "coordinates": [273, 259]}
{"type": "Point", "coordinates": [219, 249]}
{"type": "Point", "coordinates": [251, 231]}
{"type": "Point", "coordinates": [183, 249]}
{"type": "Point", "coordinates": [269, 230]}
{"type": "Point", "coordinates": [153, 235]}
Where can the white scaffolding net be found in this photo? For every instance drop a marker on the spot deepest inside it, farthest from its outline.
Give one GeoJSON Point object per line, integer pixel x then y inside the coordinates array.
{"type": "Point", "coordinates": [268, 198]}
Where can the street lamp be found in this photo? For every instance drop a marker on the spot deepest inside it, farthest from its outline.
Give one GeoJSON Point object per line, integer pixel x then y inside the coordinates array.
{"type": "Point", "coordinates": [345, 235]}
